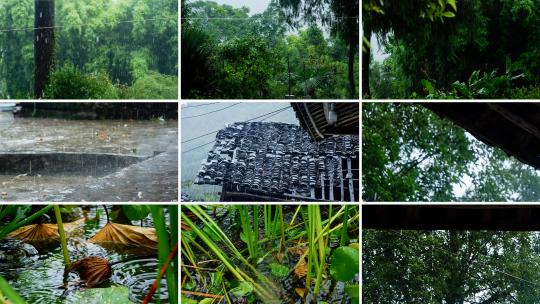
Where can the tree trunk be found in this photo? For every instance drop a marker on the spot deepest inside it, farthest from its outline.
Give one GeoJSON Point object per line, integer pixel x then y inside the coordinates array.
{"type": "Point", "coordinates": [352, 82]}
{"type": "Point", "coordinates": [366, 57]}
{"type": "Point", "coordinates": [43, 44]}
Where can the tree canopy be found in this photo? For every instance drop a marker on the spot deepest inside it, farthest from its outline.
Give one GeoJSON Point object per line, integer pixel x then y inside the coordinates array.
{"type": "Point", "coordinates": [125, 40]}
{"type": "Point", "coordinates": [410, 154]}
{"type": "Point", "coordinates": [478, 36]}
{"type": "Point", "coordinates": [228, 53]}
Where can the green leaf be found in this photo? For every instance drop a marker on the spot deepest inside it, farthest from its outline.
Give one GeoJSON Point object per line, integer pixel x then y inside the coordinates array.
{"type": "Point", "coordinates": [448, 14]}
{"type": "Point", "coordinates": [345, 263]}
{"type": "Point", "coordinates": [452, 3]}
{"type": "Point", "coordinates": [243, 289]}
{"type": "Point", "coordinates": [278, 270]}
{"type": "Point", "coordinates": [111, 295]}
{"type": "Point", "coordinates": [354, 292]}
{"type": "Point", "coordinates": [136, 212]}
{"type": "Point", "coordinates": [186, 300]}
{"type": "Point", "coordinates": [207, 301]}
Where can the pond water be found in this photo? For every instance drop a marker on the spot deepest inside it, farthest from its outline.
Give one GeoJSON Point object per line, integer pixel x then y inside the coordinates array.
{"type": "Point", "coordinates": [40, 278]}
{"type": "Point", "coordinates": [128, 138]}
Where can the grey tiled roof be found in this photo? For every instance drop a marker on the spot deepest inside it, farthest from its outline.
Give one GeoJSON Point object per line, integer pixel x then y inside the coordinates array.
{"type": "Point", "coordinates": [278, 158]}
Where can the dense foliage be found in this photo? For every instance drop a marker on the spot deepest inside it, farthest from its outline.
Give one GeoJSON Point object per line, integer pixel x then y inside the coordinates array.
{"type": "Point", "coordinates": [410, 154]}
{"type": "Point", "coordinates": [120, 43]}
{"type": "Point", "coordinates": [239, 55]}
{"type": "Point", "coordinates": [451, 267]}
{"type": "Point", "coordinates": [498, 38]}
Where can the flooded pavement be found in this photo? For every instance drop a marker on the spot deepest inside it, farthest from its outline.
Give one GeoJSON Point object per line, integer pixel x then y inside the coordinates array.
{"type": "Point", "coordinates": [140, 159]}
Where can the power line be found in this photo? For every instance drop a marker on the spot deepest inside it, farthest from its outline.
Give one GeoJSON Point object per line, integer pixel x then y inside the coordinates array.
{"type": "Point", "coordinates": [234, 104]}
{"type": "Point", "coordinates": [250, 18]}
{"type": "Point", "coordinates": [63, 26]}
{"type": "Point", "coordinates": [201, 105]}
{"type": "Point", "coordinates": [215, 131]}
{"type": "Point", "coordinates": [197, 147]}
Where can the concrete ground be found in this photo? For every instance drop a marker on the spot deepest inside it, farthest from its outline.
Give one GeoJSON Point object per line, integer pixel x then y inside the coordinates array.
{"type": "Point", "coordinates": [152, 180]}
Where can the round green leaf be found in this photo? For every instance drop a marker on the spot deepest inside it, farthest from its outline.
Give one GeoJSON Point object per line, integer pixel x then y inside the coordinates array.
{"type": "Point", "coordinates": [345, 263]}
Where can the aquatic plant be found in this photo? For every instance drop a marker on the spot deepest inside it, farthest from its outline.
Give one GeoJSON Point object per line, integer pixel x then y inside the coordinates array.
{"type": "Point", "coordinates": [20, 218]}
{"type": "Point", "coordinates": [263, 257]}
{"type": "Point", "coordinates": [62, 234]}
{"type": "Point", "coordinates": [164, 249]}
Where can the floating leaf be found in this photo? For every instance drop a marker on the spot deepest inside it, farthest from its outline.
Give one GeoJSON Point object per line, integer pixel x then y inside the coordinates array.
{"type": "Point", "coordinates": [120, 236]}
{"type": "Point", "coordinates": [111, 295]}
{"type": "Point", "coordinates": [92, 270]}
{"type": "Point", "coordinates": [278, 270]}
{"type": "Point", "coordinates": [345, 263]}
{"type": "Point", "coordinates": [243, 289]}
{"type": "Point", "coordinates": [45, 235]}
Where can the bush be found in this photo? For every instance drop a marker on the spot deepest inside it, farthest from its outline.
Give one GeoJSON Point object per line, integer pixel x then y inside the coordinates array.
{"type": "Point", "coordinates": [153, 86]}
{"type": "Point", "coordinates": [532, 92]}
{"type": "Point", "coordinates": [69, 82]}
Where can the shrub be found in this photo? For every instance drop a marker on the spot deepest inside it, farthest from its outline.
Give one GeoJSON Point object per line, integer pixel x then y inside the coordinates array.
{"type": "Point", "coordinates": [153, 86]}
{"type": "Point", "coordinates": [69, 82]}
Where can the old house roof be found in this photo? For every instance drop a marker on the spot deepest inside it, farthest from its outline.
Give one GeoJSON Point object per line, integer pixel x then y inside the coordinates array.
{"type": "Point", "coordinates": [513, 127]}
{"type": "Point", "coordinates": [280, 160]}
{"type": "Point", "coordinates": [325, 119]}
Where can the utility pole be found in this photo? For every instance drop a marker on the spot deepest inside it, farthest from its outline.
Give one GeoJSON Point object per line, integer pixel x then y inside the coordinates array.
{"type": "Point", "coordinates": [43, 44]}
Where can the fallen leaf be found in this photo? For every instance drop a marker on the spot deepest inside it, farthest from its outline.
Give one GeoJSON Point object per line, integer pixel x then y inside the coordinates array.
{"type": "Point", "coordinates": [45, 235]}
{"type": "Point", "coordinates": [301, 269]}
{"type": "Point", "coordinates": [120, 236]}
{"type": "Point", "coordinates": [92, 270]}
{"type": "Point", "coordinates": [300, 291]}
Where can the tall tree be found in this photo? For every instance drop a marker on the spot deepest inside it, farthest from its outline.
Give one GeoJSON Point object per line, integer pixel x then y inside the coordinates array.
{"type": "Point", "coordinates": [410, 154]}
{"type": "Point", "coordinates": [340, 15]}
{"type": "Point", "coordinates": [43, 44]}
{"type": "Point", "coordinates": [397, 17]}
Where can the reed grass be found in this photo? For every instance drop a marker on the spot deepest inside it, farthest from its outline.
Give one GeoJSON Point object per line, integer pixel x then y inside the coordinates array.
{"type": "Point", "coordinates": [262, 287]}
{"type": "Point", "coordinates": [164, 249]}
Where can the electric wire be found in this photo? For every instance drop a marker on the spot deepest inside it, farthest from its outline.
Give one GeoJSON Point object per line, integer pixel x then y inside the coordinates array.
{"type": "Point", "coordinates": [201, 105]}
{"type": "Point", "coordinates": [215, 131]}
{"type": "Point", "coordinates": [250, 18]}
{"type": "Point", "coordinates": [207, 113]}
{"type": "Point", "coordinates": [210, 142]}
{"type": "Point", "coordinates": [63, 26]}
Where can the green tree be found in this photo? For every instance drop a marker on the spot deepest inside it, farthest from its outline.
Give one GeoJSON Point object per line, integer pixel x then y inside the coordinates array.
{"type": "Point", "coordinates": [342, 18]}
{"type": "Point", "coordinates": [452, 267]}
{"type": "Point", "coordinates": [410, 154]}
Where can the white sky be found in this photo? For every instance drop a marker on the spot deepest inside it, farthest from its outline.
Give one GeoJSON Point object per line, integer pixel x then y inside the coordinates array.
{"type": "Point", "coordinates": [255, 6]}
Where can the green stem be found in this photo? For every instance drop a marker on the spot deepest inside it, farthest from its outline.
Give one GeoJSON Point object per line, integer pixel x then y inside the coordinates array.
{"type": "Point", "coordinates": [10, 293]}
{"type": "Point", "coordinates": [163, 251]}
{"type": "Point", "coordinates": [62, 234]}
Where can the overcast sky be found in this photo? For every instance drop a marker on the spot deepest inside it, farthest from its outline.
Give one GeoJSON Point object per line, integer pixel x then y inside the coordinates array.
{"type": "Point", "coordinates": [255, 6]}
